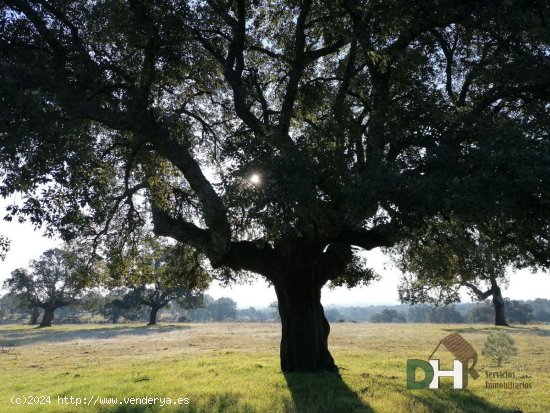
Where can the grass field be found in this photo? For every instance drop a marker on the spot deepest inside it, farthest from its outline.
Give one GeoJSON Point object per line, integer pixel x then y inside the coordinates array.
{"type": "Point", "coordinates": [234, 368]}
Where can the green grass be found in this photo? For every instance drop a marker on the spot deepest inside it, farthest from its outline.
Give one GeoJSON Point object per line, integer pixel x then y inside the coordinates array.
{"type": "Point", "coordinates": [234, 368]}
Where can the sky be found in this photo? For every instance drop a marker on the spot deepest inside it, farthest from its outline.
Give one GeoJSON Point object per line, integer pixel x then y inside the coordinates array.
{"type": "Point", "coordinates": [28, 243]}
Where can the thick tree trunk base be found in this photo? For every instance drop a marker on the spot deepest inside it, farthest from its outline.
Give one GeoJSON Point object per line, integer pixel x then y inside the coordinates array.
{"type": "Point", "coordinates": [500, 323]}
{"type": "Point", "coordinates": [47, 318]}
{"type": "Point", "coordinates": [305, 330]}
{"type": "Point", "coordinates": [500, 311]}
{"type": "Point", "coordinates": [153, 316]}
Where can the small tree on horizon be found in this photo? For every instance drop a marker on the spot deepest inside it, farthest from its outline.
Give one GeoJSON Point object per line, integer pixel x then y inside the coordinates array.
{"type": "Point", "coordinates": [388, 315]}
{"type": "Point", "coordinates": [222, 309]}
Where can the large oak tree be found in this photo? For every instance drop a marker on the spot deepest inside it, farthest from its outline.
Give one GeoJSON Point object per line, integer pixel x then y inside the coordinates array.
{"type": "Point", "coordinates": [275, 136]}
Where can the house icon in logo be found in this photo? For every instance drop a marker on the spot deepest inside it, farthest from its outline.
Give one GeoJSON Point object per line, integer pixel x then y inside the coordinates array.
{"type": "Point", "coordinates": [465, 359]}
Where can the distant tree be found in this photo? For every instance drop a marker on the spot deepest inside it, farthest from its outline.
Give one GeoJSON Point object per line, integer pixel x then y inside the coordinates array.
{"type": "Point", "coordinates": [481, 313]}
{"type": "Point", "coordinates": [54, 281]}
{"type": "Point", "coordinates": [35, 314]}
{"type": "Point", "coordinates": [108, 310]}
{"type": "Point", "coordinates": [499, 347]}
{"type": "Point", "coordinates": [446, 256]}
{"type": "Point", "coordinates": [333, 315]}
{"type": "Point", "coordinates": [157, 297]}
{"type": "Point", "coordinates": [158, 273]}
{"type": "Point", "coordinates": [13, 305]}
{"type": "Point", "coordinates": [540, 304]}
{"type": "Point", "coordinates": [359, 314]}
{"type": "Point", "coordinates": [445, 315]}
{"type": "Point", "coordinates": [251, 314]}
{"type": "Point", "coordinates": [222, 309]}
{"type": "Point", "coordinates": [3, 309]}
{"type": "Point", "coordinates": [519, 312]}
{"type": "Point", "coordinates": [541, 308]}
{"type": "Point", "coordinates": [91, 302]}
{"type": "Point", "coordinates": [542, 316]}
{"type": "Point", "coordinates": [388, 316]}
{"type": "Point", "coordinates": [419, 313]}
{"type": "Point", "coordinates": [18, 303]}
{"type": "Point", "coordinates": [119, 304]}
{"type": "Point", "coordinates": [72, 313]}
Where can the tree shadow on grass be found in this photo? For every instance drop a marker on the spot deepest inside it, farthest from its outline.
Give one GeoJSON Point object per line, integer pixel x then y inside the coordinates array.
{"type": "Point", "coordinates": [15, 338]}
{"type": "Point", "coordinates": [451, 400]}
{"type": "Point", "coordinates": [445, 399]}
{"type": "Point", "coordinates": [323, 393]}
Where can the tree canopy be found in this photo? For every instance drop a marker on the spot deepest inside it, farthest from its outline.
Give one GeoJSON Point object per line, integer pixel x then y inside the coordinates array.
{"type": "Point", "coordinates": [151, 261]}
{"type": "Point", "coordinates": [274, 136]}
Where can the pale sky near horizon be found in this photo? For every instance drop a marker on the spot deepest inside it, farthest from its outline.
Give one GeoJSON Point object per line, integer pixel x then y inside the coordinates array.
{"type": "Point", "coordinates": [27, 244]}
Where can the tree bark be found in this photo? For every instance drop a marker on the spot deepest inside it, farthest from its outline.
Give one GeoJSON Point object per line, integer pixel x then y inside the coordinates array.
{"type": "Point", "coordinates": [498, 300]}
{"type": "Point", "coordinates": [298, 268]}
{"type": "Point", "coordinates": [498, 303]}
{"type": "Point", "coordinates": [305, 329]}
{"type": "Point", "coordinates": [153, 315]}
{"type": "Point", "coordinates": [35, 313]}
{"type": "Point", "coordinates": [47, 318]}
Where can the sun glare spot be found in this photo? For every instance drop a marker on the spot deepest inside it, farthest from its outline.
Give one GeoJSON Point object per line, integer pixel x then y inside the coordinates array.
{"type": "Point", "coordinates": [255, 179]}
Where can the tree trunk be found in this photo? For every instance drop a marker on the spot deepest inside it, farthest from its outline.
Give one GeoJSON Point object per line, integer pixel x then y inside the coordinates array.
{"type": "Point", "coordinates": [153, 315]}
{"type": "Point", "coordinates": [498, 303]}
{"type": "Point", "coordinates": [305, 329]}
{"type": "Point", "coordinates": [298, 268]}
{"type": "Point", "coordinates": [47, 318]}
{"type": "Point", "coordinates": [35, 313]}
